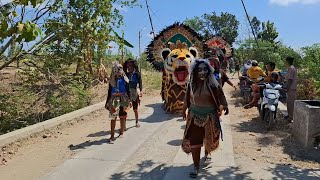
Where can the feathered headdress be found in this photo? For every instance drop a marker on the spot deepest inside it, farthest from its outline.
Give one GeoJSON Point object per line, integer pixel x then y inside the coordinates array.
{"type": "Point", "coordinates": [175, 36]}
{"type": "Point", "coordinates": [217, 46]}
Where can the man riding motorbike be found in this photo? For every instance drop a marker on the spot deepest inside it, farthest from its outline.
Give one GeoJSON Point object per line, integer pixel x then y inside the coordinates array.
{"type": "Point", "coordinates": [246, 67]}
{"type": "Point", "coordinates": [255, 72]}
{"type": "Point", "coordinates": [271, 68]}
{"type": "Point", "coordinates": [257, 90]}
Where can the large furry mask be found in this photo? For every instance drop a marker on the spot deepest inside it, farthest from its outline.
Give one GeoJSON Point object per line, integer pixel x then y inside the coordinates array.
{"type": "Point", "coordinates": [177, 62]}
{"type": "Point", "coordinates": [193, 69]}
{"type": "Point", "coordinates": [117, 69]}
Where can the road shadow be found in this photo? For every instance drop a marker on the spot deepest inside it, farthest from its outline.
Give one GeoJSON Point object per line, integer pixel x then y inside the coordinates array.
{"type": "Point", "coordinates": [159, 114]}
{"type": "Point", "coordinates": [296, 152]}
{"type": "Point", "coordinates": [88, 143]}
{"type": "Point", "coordinates": [158, 171]}
{"type": "Point", "coordinates": [290, 172]}
{"type": "Point", "coordinates": [99, 134]}
{"type": "Point", "coordinates": [282, 130]}
{"type": "Point", "coordinates": [176, 142]}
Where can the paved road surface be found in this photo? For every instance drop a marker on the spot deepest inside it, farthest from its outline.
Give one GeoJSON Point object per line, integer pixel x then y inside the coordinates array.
{"type": "Point", "coordinates": [149, 152]}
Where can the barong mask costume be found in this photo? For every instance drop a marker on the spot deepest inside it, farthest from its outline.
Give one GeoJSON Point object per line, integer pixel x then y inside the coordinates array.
{"type": "Point", "coordinates": [201, 116]}
{"type": "Point", "coordinates": [217, 47]}
{"type": "Point", "coordinates": [171, 52]}
{"type": "Point", "coordinates": [119, 97]}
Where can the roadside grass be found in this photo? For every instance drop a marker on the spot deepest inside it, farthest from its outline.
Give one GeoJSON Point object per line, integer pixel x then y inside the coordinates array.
{"type": "Point", "coordinates": [151, 80]}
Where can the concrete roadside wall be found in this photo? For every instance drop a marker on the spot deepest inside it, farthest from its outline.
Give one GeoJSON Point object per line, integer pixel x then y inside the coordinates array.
{"type": "Point", "coordinates": [36, 128]}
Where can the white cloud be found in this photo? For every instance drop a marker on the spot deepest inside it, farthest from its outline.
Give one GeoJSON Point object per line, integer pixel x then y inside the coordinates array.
{"type": "Point", "coordinates": [288, 2]}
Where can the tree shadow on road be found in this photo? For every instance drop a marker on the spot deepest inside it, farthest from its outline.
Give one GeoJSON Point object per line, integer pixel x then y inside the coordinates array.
{"type": "Point", "coordinates": [290, 172]}
{"type": "Point", "coordinates": [282, 130]}
{"type": "Point", "coordinates": [159, 115]}
{"type": "Point", "coordinates": [158, 171]}
{"type": "Point", "coordinates": [296, 152]}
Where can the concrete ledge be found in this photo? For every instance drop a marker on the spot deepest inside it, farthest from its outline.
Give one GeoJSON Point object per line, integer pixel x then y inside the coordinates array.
{"type": "Point", "coordinates": [36, 128]}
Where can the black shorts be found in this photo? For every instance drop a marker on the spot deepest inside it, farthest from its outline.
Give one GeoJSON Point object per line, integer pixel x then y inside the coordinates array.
{"type": "Point", "coordinates": [135, 104]}
{"type": "Point", "coordinates": [122, 113]}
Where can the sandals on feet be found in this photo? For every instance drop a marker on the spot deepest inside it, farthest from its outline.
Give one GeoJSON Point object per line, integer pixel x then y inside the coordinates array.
{"type": "Point", "coordinates": [137, 125]}
{"type": "Point", "coordinates": [112, 139]}
{"type": "Point", "coordinates": [207, 158]}
{"type": "Point", "coordinates": [194, 173]}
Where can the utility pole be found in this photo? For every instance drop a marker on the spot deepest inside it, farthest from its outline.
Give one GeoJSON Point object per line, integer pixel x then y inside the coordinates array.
{"type": "Point", "coordinates": [140, 51]}
{"type": "Point", "coordinates": [153, 32]}
{"type": "Point", "coordinates": [139, 42]}
{"type": "Point", "coordinates": [254, 34]}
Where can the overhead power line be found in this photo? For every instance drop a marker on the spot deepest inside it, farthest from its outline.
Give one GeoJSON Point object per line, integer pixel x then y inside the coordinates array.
{"type": "Point", "coordinates": [254, 34]}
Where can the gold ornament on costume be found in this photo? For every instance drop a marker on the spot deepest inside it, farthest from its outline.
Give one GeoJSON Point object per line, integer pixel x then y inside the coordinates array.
{"type": "Point", "coordinates": [178, 45]}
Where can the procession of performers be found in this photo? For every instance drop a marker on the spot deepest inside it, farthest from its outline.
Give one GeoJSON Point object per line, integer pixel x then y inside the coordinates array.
{"type": "Point", "coordinates": [191, 86]}
{"type": "Point", "coordinates": [204, 103]}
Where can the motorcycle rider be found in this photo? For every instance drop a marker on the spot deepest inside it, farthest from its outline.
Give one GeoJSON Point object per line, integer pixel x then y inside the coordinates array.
{"type": "Point", "coordinates": [246, 67]}
{"type": "Point", "coordinates": [257, 90]}
{"type": "Point", "coordinates": [255, 71]}
{"type": "Point", "coordinates": [271, 68]}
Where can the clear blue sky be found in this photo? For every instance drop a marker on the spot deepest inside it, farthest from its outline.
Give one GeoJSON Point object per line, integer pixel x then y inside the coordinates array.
{"type": "Point", "coordinates": [296, 20]}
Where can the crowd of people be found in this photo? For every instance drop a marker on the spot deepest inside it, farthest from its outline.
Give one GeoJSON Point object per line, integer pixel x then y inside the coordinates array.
{"type": "Point", "coordinates": [204, 102]}
{"type": "Point", "coordinates": [272, 76]}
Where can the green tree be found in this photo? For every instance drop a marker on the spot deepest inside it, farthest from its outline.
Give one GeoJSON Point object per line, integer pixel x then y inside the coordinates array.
{"type": "Point", "coordinates": [19, 26]}
{"type": "Point", "coordinates": [267, 51]}
{"type": "Point", "coordinates": [226, 25]}
{"type": "Point", "coordinates": [196, 24]}
{"type": "Point", "coordinates": [256, 25]}
{"type": "Point", "coordinates": [311, 61]}
{"type": "Point", "coordinates": [87, 27]}
{"type": "Point", "coordinates": [268, 32]}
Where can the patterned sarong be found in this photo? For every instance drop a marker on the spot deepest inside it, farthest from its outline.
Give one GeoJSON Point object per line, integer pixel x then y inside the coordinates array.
{"type": "Point", "coordinates": [206, 117]}
{"type": "Point", "coordinates": [116, 101]}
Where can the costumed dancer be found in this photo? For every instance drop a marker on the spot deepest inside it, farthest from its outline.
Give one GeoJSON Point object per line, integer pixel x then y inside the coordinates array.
{"type": "Point", "coordinates": [118, 99]}
{"type": "Point", "coordinates": [205, 102]}
{"type": "Point", "coordinates": [131, 69]}
{"type": "Point", "coordinates": [220, 75]}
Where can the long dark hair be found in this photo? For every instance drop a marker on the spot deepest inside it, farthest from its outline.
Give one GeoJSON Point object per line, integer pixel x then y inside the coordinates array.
{"type": "Point", "coordinates": [135, 65]}
{"type": "Point", "coordinates": [195, 75]}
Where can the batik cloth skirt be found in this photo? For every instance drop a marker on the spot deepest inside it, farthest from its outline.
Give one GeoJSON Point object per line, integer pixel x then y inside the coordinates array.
{"type": "Point", "coordinates": [118, 105]}
{"type": "Point", "coordinates": [203, 127]}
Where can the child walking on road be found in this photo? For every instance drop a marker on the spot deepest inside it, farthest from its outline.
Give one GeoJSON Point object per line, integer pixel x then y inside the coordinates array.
{"type": "Point", "coordinates": [131, 69]}
{"type": "Point", "coordinates": [118, 99]}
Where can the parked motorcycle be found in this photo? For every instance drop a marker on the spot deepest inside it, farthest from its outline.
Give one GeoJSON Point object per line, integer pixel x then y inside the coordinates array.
{"type": "Point", "coordinates": [246, 89]}
{"type": "Point", "coordinates": [268, 103]}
